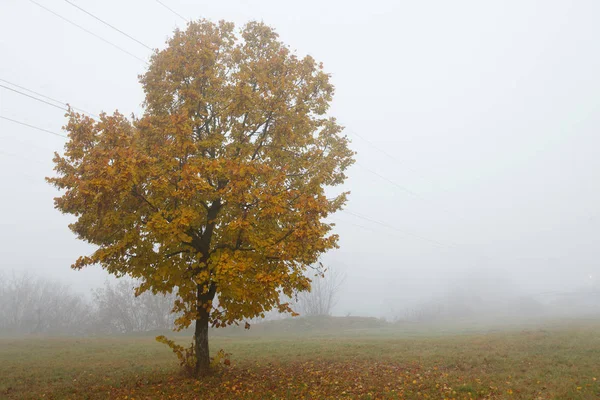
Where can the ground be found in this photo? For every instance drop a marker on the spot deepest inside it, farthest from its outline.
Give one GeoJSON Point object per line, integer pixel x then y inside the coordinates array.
{"type": "Point", "coordinates": [549, 362]}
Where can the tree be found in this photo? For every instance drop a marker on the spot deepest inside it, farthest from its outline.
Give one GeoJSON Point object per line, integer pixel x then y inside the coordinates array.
{"type": "Point", "coordinates": [322, 297]}
{"type": "Point", "coordinates": [218, 189]}
{"type": "Point", "coordinates": [120, 311]}
{"type": "Point", "coordinates": [30, 305]}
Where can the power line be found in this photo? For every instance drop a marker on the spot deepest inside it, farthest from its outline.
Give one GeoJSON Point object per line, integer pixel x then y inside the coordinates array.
{"type": "Point", "coordinates": [407, 190]}
{"type": "Point", "coordinates": [33, 127]}
{"type": "Point", "coordinates": [353, 132]}
{"type": "Point", "coordinates": [109, 25]}
{"type": "Point", "coordinates": [392, 182]}
{"type": "Point", "coordinates": [34, 98]}
{"type": "Point", "coordinates": [391, 157]}
{"type": "Point", "coordinates": [88, 31]}
{"type": "Point", "coordinates": [28, 159]}
{"type": "Point", "coordinates": [28, 177]}
{"type": "Point", "coordinates": [185, 19]}
{"type": "Point", "coordinates": [353, 224]}
{"type": "Point", "coordinates": [362, 226]}
{"type": "Point", "coordinates": [397, 229]}
{"type": "Point", "coordinates": [403, 188]}
{"type": "Point", "coordinates": [173, 11]}
{"type": "Point", "coordinates": [131, 54]}
{"type": "Point", "coordinates": [349, 212]}
{"type": "Point", "coordinates": [29, 90]}
{"type": "Point", "coordinates": [46, 97]}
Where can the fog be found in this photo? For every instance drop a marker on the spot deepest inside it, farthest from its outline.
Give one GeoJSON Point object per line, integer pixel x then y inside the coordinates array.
{"type": "Point", "coordinates": [475, 126]}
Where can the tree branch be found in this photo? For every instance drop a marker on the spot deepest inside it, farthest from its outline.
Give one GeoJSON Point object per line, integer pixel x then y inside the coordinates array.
{"type": "Point", "coordinates": [176, 253]}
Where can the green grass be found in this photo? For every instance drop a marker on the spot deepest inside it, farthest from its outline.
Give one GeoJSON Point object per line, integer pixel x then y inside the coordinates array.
{"type": "Point", "coordinates": [550, 363]}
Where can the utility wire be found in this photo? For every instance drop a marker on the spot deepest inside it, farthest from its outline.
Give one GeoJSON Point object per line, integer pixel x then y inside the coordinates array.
{"type": "Point", "coordinates": [28, 159]}
{"type": "Point", "coordinates": [46, 97]}
{"type": "Point", "coordinates": [392, 182]}
{"type": "Point", "coordinates": [109, 25]}
{"type": "Point", "coordinates": [343, 221]}
{"type": "Point", "coordinates": [173, 11]}
{"type": "Point", "coordinates": [349, 212]}
{"type": "Point", "coordinates": [88, 31]}
{"type": "Point", "coordinates": [31, 91]}
{"type": "Point", "coordinates": [132, 55]}
{"type": "Point", "coordinates": [397, 229]}
{"type": "Point", "coordinates": [33, 126]}
{"type": "Point", "coordinates": [391, 157]}
{"type": "Point", "coordinates": [30, 178]}
{"type": "Point", "coordinates": [407, 190]}
{"type": "Point", "coordinates": [352, 223]}
{"type": "Point", "coordinates": [373, 145]}
{"type": "Point", "coordinates": [403, 188]}
{"type": "Point", "coordinates": [185, 19]}
{"type": "Point", "coordinates": [34, 98]}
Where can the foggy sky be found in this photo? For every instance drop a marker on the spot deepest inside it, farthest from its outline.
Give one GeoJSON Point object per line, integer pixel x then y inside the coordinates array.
{"type": "Point", "coordinates": [486, 112]}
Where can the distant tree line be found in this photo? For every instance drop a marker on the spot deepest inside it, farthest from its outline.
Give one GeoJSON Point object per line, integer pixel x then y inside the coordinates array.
{"type": "Point", "coordinates": [33, 305]}
{"type": "Point", "coordinates": [479, 304]}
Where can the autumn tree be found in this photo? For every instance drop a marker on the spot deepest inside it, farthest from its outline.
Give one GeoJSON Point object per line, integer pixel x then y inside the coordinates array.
{"type": "Point", "coordinates": [219, 188]}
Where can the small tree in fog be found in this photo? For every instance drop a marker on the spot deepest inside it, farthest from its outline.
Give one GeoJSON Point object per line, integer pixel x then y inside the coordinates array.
{"type": "Point", "coordinates": [323, 294]}
{"type": "Point", "coordinates": [35, 305]}
{"type": "Point", "coordinates": [120, 311]}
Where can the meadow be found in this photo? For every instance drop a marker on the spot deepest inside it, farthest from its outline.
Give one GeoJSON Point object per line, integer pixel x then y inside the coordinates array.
{"type": "Point", "coordinates": [355, 361]}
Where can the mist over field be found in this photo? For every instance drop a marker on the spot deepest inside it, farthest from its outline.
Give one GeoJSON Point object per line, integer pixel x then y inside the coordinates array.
{"type": "Point", "coordinates": [474, 126]}
{"type": "Point", "coordinates": [177, 171]}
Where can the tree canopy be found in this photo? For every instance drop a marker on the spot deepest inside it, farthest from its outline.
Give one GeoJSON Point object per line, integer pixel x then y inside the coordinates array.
{"type": "Point", "coordinates": [219, 188]}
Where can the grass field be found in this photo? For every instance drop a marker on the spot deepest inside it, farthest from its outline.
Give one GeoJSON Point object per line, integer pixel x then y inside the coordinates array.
{"type": "Point", "coordinates": [557, 362]}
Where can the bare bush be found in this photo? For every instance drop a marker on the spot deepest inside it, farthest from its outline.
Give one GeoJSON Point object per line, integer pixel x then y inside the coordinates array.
{"type": "Point", "coordinates": [120, 311]}
{"type": "Point", "coordinates": [30, 305]}
{"type": "Point", "coordinates": [34, 305]}
{"type": "Point", "coordinates": [323, 294]}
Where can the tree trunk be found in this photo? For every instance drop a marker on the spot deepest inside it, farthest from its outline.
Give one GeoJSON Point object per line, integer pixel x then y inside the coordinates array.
{"type": "Point", "coordinates": [201, 344]}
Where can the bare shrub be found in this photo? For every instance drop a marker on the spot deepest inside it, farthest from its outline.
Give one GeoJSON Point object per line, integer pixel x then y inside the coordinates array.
{"type": "Point", "coordinates": [120, 311]}
{"type": "Point", "coordinates": [323, 293]}
{"type": "Point", "coordinates": [35, 305]}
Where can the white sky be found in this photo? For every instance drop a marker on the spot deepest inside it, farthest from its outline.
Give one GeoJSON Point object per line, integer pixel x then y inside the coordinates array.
{"type": "Point", "coordinates": [489, 111]}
